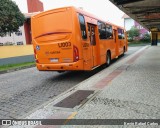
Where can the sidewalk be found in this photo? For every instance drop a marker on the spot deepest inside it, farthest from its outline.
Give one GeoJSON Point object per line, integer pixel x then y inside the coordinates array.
{"type": "Point", "coordinates": [128, 89]}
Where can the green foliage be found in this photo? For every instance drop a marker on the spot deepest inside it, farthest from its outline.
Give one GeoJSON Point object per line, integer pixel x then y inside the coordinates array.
{"type": "Point", "coordinates": [139, 43]}
{"type": "Point", "coordinates": [146, 38]}
{"type": "Point", "coordinates": [130, 39]}
{"type": "Point", "coordinates": [132, 33]}
{"type": "Point", "coordinates": [10, 17]}
{"type": "Point", "coordinates": [15, 66]}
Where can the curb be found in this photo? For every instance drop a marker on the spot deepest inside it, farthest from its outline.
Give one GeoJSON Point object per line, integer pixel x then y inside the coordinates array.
{"type": "Point", "coordinates": [16, 69]}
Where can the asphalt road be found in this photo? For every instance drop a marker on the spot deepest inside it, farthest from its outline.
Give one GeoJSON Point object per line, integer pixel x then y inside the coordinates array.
{"type": "Point", "coordinates": [24, 90]}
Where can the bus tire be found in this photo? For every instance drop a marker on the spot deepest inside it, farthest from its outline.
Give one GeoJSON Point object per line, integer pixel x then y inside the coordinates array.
{"type": "Point", "coordinates": [108, 59]}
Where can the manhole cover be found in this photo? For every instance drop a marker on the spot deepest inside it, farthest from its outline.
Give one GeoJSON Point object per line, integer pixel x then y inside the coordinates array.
{"type": "Point", "coordinates": [74, 99]}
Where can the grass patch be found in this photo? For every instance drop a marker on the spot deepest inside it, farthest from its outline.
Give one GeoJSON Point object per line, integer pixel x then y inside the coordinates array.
{"type": "Point", "coordinates": [138, 43]}
{"type": "Point", "coordinates": [15, 66]}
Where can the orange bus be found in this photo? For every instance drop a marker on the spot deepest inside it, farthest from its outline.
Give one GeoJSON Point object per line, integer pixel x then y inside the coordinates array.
{"type": "Point", "coordinates": [68, 38]}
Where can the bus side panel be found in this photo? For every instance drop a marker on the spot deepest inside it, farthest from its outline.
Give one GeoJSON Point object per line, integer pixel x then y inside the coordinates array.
{"type": "Point", "coordinates": [98, 46]}
{"type": "Point", "coordinates": [116, 41]}
{"type": "Point", "coordinates": [84, 44]}
{"type": "Point", "coordinates": [104, 47]}
{"type": "Point", "coordinates": [120, 48]}
{"type": "Point", "coordinates": [126, 42]}
{"type": "Point", "coordinates": [112, 48]}
{"type": "Point", "coordinates": [76, 38]}
{"type": "Point", "coordinates": [122, 41]}
{"type": "Point", "coordinates": [93, 39]}
{"type": "Point", "coordinates": [106, 43]}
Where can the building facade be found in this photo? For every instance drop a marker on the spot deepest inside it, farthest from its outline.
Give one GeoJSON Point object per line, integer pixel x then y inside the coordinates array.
{"type": "Point", "coordinates": [23, 36]}
{"type": "Point", "coordinates": [129, 23]}
{"type": "Point", "coordinates": [16, 38]}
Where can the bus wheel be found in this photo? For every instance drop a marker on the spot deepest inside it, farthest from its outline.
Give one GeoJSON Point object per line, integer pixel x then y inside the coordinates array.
{"type": "Point", "coordinates": [108, 59]}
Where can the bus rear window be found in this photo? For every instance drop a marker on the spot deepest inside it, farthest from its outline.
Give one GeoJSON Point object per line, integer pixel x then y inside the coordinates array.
{"type": "Point", "coordinates": [82, 26]}
{"type": "Point", "coordinates": [54, 22]}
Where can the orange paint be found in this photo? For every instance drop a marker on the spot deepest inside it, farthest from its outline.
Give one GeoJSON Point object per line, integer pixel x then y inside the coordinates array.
{"type": "Point", "coordinates": [69, 39]}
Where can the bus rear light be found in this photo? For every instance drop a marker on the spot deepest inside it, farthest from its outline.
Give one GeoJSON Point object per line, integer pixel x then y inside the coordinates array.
{"type": "Point", "coordinates": [37, 61]}
{"type": "Point", "coordinates": [75, 54]}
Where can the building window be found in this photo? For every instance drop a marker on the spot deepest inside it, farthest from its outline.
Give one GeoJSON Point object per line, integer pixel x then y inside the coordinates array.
{"type": "Point", "coordinates": [82, 26]}
{"type": "Point", "coordinates": [19, 33]}
{"type": "Point", "coordinates": [120, 33]}
{"type": "Point", "coordinates": [20, 43]}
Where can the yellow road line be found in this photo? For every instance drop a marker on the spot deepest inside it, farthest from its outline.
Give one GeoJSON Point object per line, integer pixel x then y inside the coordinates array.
{"type": "Point", "coordinates": [70, 117]}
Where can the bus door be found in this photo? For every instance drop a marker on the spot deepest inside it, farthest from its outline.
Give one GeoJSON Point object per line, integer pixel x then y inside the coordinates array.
{"type": "Point", "coordinates": [116, 42]}
{"type": "Point", "coordinates": [93, 47]}
{"type": "Point", "coordinates": [120, 40]}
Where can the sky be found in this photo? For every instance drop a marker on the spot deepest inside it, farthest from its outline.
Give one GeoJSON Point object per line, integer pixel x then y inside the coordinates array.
{"type": "Point", "coordinates": [103, 9]}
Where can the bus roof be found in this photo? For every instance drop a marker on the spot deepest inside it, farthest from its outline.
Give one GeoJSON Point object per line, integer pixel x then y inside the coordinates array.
{"type": "Point", "coordinates": [77, 10]}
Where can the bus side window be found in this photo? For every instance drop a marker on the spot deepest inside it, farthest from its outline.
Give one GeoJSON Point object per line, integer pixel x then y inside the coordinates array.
{"type": "Point", "coordinates": [120, 33]}
{"type": "Point", "coordinates": [102, 30]}
{"type": "Point", "coordinates": [105, 30]}
{"type": "Point", "coordinates": [123, 34]}
{"type": "Point", "coordinates": [109, 31]}
{"type": "Point", "coordinates": [82, 26]}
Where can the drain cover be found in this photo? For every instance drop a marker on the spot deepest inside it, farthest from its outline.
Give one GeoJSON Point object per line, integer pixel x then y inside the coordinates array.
{"type": "Point", "coordinates": [74, 99]}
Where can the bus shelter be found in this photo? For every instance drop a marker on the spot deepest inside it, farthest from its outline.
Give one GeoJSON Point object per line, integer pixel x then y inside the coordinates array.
{"type": "Point", "coordinates": [145, 12]}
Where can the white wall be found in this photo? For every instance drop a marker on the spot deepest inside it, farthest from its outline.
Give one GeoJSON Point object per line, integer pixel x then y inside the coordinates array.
{"type": "Point", "coordinates": [14, 38]}
{"type": "Point", "coordinates": [128, 23]}
{"type": "Point", "coordinates": [20, 38]}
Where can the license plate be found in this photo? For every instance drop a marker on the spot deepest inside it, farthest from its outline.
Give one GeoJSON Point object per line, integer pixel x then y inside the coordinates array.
{"type": "Point", "coordinates": [54, 60]}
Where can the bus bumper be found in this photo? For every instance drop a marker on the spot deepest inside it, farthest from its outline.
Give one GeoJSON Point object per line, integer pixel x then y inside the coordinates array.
{"type": "Point", "coordinates": [61, 67]}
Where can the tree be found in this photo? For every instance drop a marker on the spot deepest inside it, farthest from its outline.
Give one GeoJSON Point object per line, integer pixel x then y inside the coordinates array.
{"type": "Point", "coordinates": [146, 37]}
{"type": "Point", "coordinates": [10, 17]}
{"type": "Point", "coordinates": [133, 32]}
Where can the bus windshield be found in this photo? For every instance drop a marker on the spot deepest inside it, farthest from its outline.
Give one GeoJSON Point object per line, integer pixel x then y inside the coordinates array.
{"type": "Point", "coordinates": [52, 23]}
